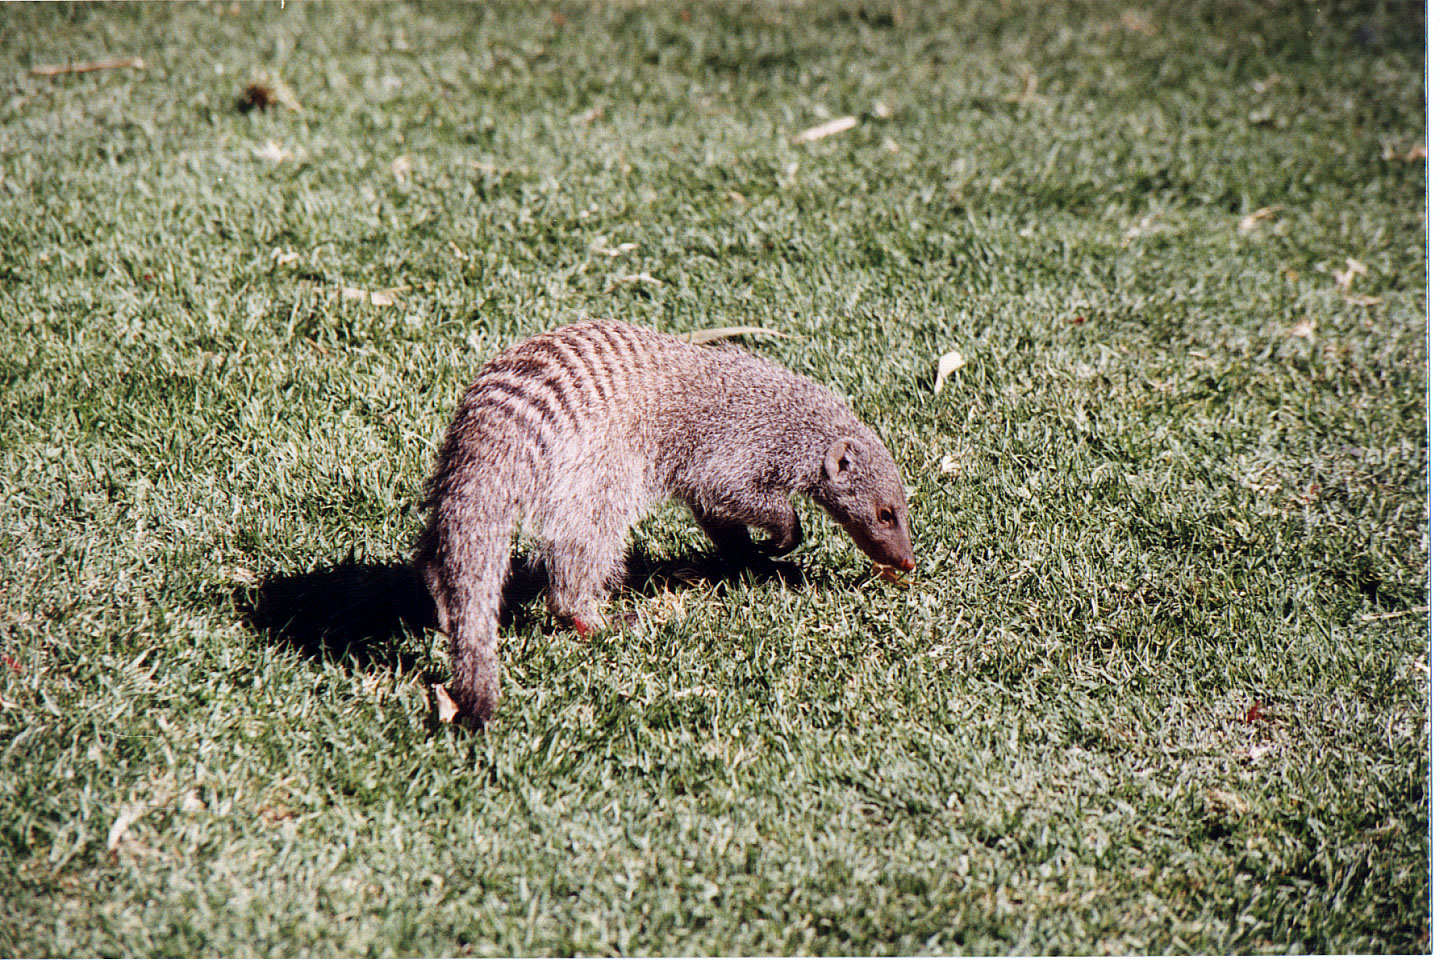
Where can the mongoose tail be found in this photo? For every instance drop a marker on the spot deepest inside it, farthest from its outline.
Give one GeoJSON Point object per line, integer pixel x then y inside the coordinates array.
{"type": "Point", "coordinates": [577, 432]}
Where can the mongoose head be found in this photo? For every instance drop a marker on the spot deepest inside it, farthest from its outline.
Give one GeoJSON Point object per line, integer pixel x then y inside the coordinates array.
{"type": "Point", "coordinates": [860, 488]}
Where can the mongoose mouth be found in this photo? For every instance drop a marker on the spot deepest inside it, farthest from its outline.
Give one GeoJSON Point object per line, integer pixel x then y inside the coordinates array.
{"type": "Point", "coordinates": [888, 560]}
{"type": "Point", "coordinates": [886, 553]}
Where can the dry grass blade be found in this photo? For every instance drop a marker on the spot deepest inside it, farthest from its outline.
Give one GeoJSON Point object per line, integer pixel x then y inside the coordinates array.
{"type": "Point", "coordinates": [115, 63]}
{"type": "Point", "coordinates": [1392, 614]}
{"type": "Point", "coordinates": [634, 278]}
{"type": "Point", "coordinates": [725, 333]}
{"type": "Point", "coordinates": [827, 129]}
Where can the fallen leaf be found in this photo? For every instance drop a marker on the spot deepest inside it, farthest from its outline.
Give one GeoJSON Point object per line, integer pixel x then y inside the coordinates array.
{"type": "Point", "coordinates": [1223, 801]}
{"type": "Point", "coordinates": [276, 814]}
{"type": "Point", "coordinates": [1027, 92]}
{"type": "Point", "coordinates": [826, 129]}
{"type": "Point", "coordinates": [1259, 751]}
{"type": "Point", "coordinates": [257, 96]}
{"type": "Point", "coordinates": [1251, 220]}
{"type": "Point", "coordinates": [1263, 86]}
{"type": "Point", "coordinates": [1360, 300]}
{"type": "Point", "coordinates": [949, 464]}
{"type": "Point", "coordinates": [1137, 22]}
{"type": "Point", "coordinates": [1353, 268]}
{"type": "Point", "coordinates": [1392, 152]}
{"type": "Point", "coordinates": [889, 145]}
{"type": "Point", "coordinates": [56, 69]}
{"type": "Point", "coordinates": [444, 705]}
{"type": "Point", "coordinates": [401, 167]}
{"type": "Point", "coordinates": [282, 257]}
{"type": "Point", "coordinates": [192, 803]}
{"type": "Point", "coordinates": [1420, 666]}
{"type": "Point", "coordinates": [589, 116]}
{"type": "Point", "coordinates": [1253, 714]}
{"type": "Point", "coordinates": [599, 245]}
{"type": "Point", "coordinates": [1144, 225]}
{"type": "Point", "coordinates": [881, 110]}
{"type": "Point", "coordinates": [1305, 328]}
{"type": "Point", "coordinates": [949, 363]}
{"type": "Point", "coordinates": [273, 152]}
{"type": "Point", "coordinates": [241, 575]}
{"type": "Point", "coordinates": [264, 94]}
{"type": "Point", "coordinates": [377, 298]}
{"type": "Point", "coordinates": [128, 816]}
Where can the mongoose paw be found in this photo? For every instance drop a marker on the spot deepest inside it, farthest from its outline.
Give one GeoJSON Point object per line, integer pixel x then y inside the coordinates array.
{"type": "Point", "coordinates": [597, 624]}
{"type": "Point", "coordinates": [785, 536]}
{"type": "Point", "coordinates": [466, 713]}
{"type": "Point", "coordinates": [778, 546]}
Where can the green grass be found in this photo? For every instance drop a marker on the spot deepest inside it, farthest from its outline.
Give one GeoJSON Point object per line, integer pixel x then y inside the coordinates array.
{"type": "Point", "coordinates": [1179, 474]}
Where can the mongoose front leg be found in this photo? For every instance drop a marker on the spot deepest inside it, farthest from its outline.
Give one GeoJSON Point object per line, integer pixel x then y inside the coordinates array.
{"type": "Point", "coordinates": [781, 521]}
{"type": "Point", "coordinates": [776, 517]}
{"type": "Point", "coordinates": [730, 537]}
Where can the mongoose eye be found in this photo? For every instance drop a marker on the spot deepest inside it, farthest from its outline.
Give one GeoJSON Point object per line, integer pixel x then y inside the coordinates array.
{"type": "Point", "coordinates": [887, 516]}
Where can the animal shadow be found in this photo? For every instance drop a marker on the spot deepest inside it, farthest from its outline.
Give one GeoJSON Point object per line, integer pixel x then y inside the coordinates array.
{"type": "Point", "coordinates": [363, 612]}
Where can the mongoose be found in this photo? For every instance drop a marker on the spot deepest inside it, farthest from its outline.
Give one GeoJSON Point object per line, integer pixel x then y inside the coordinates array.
{"type": "Point", "coordinates": [576, 432]}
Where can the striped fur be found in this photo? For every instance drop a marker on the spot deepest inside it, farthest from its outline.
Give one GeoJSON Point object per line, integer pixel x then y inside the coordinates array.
{"type": "Point", "coordinates": [575, 433]}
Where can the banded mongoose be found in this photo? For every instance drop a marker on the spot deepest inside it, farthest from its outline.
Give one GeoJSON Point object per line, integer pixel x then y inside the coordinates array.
{"type": "Point", "coordinates": [576, 432]}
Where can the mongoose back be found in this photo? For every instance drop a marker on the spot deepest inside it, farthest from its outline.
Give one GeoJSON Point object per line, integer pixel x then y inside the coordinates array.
{"type": "Point", "coordinates": [575, 433]}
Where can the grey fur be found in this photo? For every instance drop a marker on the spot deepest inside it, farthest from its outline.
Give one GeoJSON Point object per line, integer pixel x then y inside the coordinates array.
{"type": "Point", "coordinates": [575, 433]}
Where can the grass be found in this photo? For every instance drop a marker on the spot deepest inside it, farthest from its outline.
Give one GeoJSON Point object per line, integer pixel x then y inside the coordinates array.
{"type": "Point", "coordinates": [1161, 682]}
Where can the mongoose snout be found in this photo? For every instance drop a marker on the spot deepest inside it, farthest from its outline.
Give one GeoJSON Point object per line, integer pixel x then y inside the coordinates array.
{"type": "Point", "coordinates": [575, 433]}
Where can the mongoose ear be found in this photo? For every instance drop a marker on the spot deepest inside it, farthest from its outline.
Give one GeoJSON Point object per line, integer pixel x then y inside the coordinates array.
{"type": "Point", "coordinates": [837, 458]}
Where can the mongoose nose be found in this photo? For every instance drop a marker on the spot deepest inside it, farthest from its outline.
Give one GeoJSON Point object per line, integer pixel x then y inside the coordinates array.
{"type": "Point", "coordinates": [907, 564]}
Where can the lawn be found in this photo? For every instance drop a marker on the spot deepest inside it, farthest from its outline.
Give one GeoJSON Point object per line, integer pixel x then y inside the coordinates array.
{"type": "Point", "coordinates": [1160, 682]}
